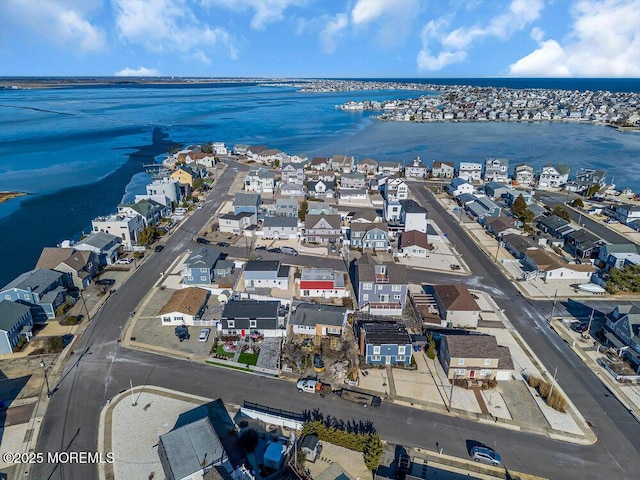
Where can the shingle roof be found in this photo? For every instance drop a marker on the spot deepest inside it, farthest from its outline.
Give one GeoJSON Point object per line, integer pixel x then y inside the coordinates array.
{"type": "Point", "coordinates": [332, 219]}
{"type": "Point", "coordinates": [478, 346]}
{"type": "Point", "coordinates": [51, 257]}
{"type": "Point", "coordinates": [262, 266]}
{"type": "Point", "coordinates": [311, 314]}
{"type": "Point", "coordinates": [411, 206]}
{"type": "Point", "coordinates": [251, 309]}
{"type": "Point", "coordinates": [99, 239]}
{"type": "Point", "coordinates": [246, 199]}
{"type": "Point", "coordinates": [187, 301]}
{"type": "Point", "coordinates": [203, 257]}
{"type": "Point", "coordinates": [37, 280]}
{"type": "Point", "coordinates": [10, 312]}
{"type": "Point", "coordinates": [414, 237]}
{"type": "Point", "coordinates": [365, 227]}
{"type": "Point", "coordinates": [456, 297]}
{"type": "Point", "coordinates": [280, 222]}
{"type": "Point", "coordinates": [396, 273]}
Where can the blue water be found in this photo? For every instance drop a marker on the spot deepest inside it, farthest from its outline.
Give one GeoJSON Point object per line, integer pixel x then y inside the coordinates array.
{"type": "Point", "coordinates": [79, 151]}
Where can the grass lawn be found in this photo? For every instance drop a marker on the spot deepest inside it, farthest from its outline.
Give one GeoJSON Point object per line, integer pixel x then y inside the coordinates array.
{"type": "Point", "coordinates": [220, 351]}
{"type": "Point", "coordinates": [248, 358]}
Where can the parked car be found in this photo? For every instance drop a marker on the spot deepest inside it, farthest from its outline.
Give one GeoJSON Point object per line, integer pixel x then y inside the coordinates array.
{"type": "Point", "coordinates": [182, 332]}
{"type": "Point", "coordinates": [289, 251]}
{"type": "Point", "coordinates": [223, 244]}
{"type": "Point", "coordinates": [260, 248]}
{"type": "Point", "coordinates": [203, 240]}
{"type": "Point", "coordinates": [486, 455]}
{"type": "Point", "coordinates": [404, 467]}
{"type": "Point", "coordinates": [274, 250]}
{"type": "Point", "coordinates": [159, 248]}
{"type": "Point", "coordinates": [124, 261]}
{"type": "Point", "coordinates": [204, 335]}
{"type": "Point", "coordinates": [105, 281]}
{"type": "Point", "coordinates": [580, 327]}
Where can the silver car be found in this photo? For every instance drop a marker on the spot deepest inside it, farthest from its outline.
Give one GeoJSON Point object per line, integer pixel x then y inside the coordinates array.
{"type": "Point", "coordinates": [486, 455]}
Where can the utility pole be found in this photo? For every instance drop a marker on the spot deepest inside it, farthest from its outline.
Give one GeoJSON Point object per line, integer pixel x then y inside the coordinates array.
{"type": "Point", "coordinates": [46, 378]}
{"type": "Point", "coordinates": [553, 308]}
{"type": "Point", "coordinates": [497, 251]}
{"type": "Point", "coordinates": [590, 322]}
{"type": "Point", "coordinates": [553, 382]}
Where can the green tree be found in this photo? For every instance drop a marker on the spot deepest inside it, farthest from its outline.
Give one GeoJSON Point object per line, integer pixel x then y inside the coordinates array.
{"type": "Point", "coordinates": [198, 183]}
{"type": "Point", "coordinates": [206, 148]}
{"type": "Point", "coordinates": [147, 236]}
{"type": "Point", "coordinates": [372, 452]}
{"type": "Point", "coordinates": [592, 190]}
{"type": "Point", "coordinates": [55, 344]}
{"type": "Point", "coordinates": [303, 210]}
{"type": "Point", "coordinates": [431, 346]}
{"type": "Point", "coordinates": [577, 203]}
{"type": "Point", "coordinates": [519, 206]}
{"type": "Point", "coordinates": [276, 163]}
{"type": "Point", "coordinates": [626, 279]}
{"type": "Point", "coordinates": [561, 211]}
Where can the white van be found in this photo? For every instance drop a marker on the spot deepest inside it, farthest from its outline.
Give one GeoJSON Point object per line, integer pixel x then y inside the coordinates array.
{"type": "Point", "coordinates": [289, 251]}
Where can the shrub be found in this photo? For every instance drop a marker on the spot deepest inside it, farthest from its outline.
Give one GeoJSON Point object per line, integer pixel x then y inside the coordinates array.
{"type": "Point", "coordinates": [55, 344]}
{"type": "Point", "coordinates": [72, 320]}
{"type": "Point", "coordinates": [533, 381]}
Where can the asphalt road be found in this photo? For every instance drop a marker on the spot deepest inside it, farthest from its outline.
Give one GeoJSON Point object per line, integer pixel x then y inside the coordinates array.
{"type": "Point", "coordinates": [101, 368]}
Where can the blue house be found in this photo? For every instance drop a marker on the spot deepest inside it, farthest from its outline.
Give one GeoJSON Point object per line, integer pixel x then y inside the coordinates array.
{"type": "Point", "coordinates": [15, 322]}
{"type": "Point", "coordinates": [204, 265]}
{"type": "Point", "coordinates": [246, 202]}
{"type": "Point", "coordinates": [495, 189]}
{"type": "Point", "coordinates": [381, 287]}
{"type": "Point", "coordinates": [42, 290]}
{"type": "Point", "coordinates": [384, 343]}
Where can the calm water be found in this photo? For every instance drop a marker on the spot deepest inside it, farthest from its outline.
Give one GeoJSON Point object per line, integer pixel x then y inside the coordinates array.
{"type": "Point", "coordinates": [79, 150]}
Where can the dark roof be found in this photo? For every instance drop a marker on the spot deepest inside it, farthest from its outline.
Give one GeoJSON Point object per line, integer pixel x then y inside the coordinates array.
{"type": "Point", "coordinates": [262, 266]}
{"type": "Point", "coordinates": [280, 222]}
{"type": "Point", "coordinates": [500, 224]}
{"type": "Point", "coordinates": [384, 333]}
{"type": "Point", "coordinates": [10, 313]}
{"type": "Point", "coordinates": [396, 273]}
{"type": "Point", "coordinates": [333, 219]}
{"type": "Point", "coordinates": [37, 280]}
{"type": "Point", "coordinates": [365, 227]}
{"type": "Point", "coordinates": [203, 257]}
{"type": "Point", "coordinates": [456, 297]}
{"type": "Point", "coordinates": [553, 222]}
{"type": "Point", "coordinates": [411, 206]}
{"type": "Point", "coordinates": [251, 309]}
{"type": "Point", "coordinates": [520, 242]}
{"type": "Point", "coordinates": [414, 237]}
{"type": "Point", "coordinates": [311, 314]}
{"type": "Point", "coordinates": [246, 199]}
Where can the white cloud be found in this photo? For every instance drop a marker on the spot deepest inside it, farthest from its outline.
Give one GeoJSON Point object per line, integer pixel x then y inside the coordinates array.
{"type": "Point", "coordinates": [138, 72]}
{"type": "Point", "coordinates": [169, 26]}
{"type": "Point", "coordinates": [332, 31]}
{"type": "Point", "coordinates": [265, 11]}
{"type": "Point", "coordinates": [365, 11]}
{"type": "Point", "coordinates": [452, 46]}
{"type": "Point", "coordinates": [604, 41]}
{"type": "Point", "coordinates": [61, 22]}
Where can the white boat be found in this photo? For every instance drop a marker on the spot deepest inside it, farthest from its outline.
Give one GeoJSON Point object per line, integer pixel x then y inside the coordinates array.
{"type": "Point", "coordinates": [591, 287]}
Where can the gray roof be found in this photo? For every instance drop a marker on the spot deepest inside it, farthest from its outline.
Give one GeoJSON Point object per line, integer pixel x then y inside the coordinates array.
{"type": "Point", "coordinates": [396, 273]}
{"type": "Point", "coordinates": [456, 182]}
{"type": "Point", "coordinates": [37, 280]}
{"type": "Point", "coordinates": [385, 333]}
{"type": "Point", "coordinates": [262, 266]}
{"type": "Point", "coordinates": [246, 199]}
{"type": "Point", "coordinates": [466, 198]}
{"type": "Point", "coordinates": [333, 219]}
{"type": "Point", "coordinates": [252, 309]}
{"type": "Point", "coordinates": [231, 216]}
{"type": "Point", "coordinates": [10, 313]}
{"type": "Point", "coordinates": [411, 206]}
{"type": "Point", "coordinates": [203, 257]}
{"type": "Point", "coordinates": [553, 222]}
{"type": "Point", "coordinates": [280, 222]}
{"type": "Point", "coordinates": [310, 314]}
{"type": "Point", "coordinates": [621, 248]}
{"type": "Point", "coordinates": [287, 201]}
{"type": "Point", "coordinates": [562, 169]}
{"type": "Point", "coordinates": [473, 346]}
{"type": "Point", "coordinates": [187, 447]}
{"type": "Point", "coordinates": [99, 239]}
{"type": "Point", "coordinates": [353, 176]}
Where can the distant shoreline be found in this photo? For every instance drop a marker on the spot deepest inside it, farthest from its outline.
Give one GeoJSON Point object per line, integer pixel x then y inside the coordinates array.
{"type": "Point", "coordinates": [6, 196]}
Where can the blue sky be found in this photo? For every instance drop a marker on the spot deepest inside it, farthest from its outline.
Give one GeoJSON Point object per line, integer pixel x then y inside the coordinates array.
{"type": "Point", "coordinates": [321, 38]}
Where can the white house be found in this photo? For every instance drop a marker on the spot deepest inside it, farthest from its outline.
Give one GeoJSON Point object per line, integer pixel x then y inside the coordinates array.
{"type": "Point", "coordinates": [219, 148]}
{"type": "Point", "coordinates": [164, 187]}
{"type": "Point", "coordinates": [459, 186]}
{"type": "Point", "coordinates": [414, 244]}
{"type": "Point", "coordinates": [260, 180]}
{"type": "Point", "coordinates": [523, 174]}
{"type": "Point", "coordinates": [413, 216]}
{"type": "Point", "coordinates": [322, 283]}
{"type": "Point", "coordinates": [496, 170]}
{"type": "Point", "coordinates": [185, 307]}
{"type": "Point", "coordinates": [266, 274]}
{"type": "Point", "coordinates": [553, 176]}
{"type": "Point", "coordinates": [396, 189]}
{"type": "Point", "coordinates": [442, 169]}
{"type": "Point", "coordinates": [470, 171]}
{"type": "Point", "coordinates": [236, 224]}
{"type": "Point", "coordinates": [128, 228]}
{"type": "Point", "coordinates": [318, 320]}
{"type": "Point", "coordinates": [416, 169]}
{"type": "Point", "coordinates": [280, 228]}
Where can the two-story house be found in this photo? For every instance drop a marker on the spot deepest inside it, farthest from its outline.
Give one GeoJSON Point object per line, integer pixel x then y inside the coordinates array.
{"type": "Point", "coordinates": [343, 163]}
{"type": "Point", "coordinates": [553, 176]}
{"type": "Point", "coordinates": [320, 164]}
{"type": "Point", "coordinates": [184, 174]}
{"type": "Point", "coordinates": [591, 176]}
{"type": "Point", "coordinates": [321, 189]}
{"type": "Point", "coordinates": [322, 283]}
{"type": "Point", "coordinates": [470, 171]}
{"type": "Point", "coordinates": [384, 343]}
{"type": "Point", "coordinates": [523, 174]}
{"type": "Point", "coordinates": [395, 188]}
{"type": "Point", "coordinates": [459, 186]}
{"type": "Point", "coordinates": [474, 357]}
{"type": "Point", "coordinates": [318, 320]}
{"type": "Point", "coordinates": [614, 255]}
{"type": "Point", "coordinates": [266, 274]}
{"type": "Point", "coordinates": [16, 322]}
{"type": "Point", "coordinates": [42, 290]}
{"type": "Point", "coordinates": [292, 173]}
{"type": "Point", "coordinates": [237, 223]}
{"type": "Point", "coordinates": [104, 245]}
{"type": "Point", "coordinates": [320, 207]}
{"type": "Point", "coordinates": [185, 307]}
{"type": "Point", "coordinates": [369, 236]}
{"type": "Point", "coordinates": [413, 216]}
{"type": "Point", "coordinates": [416, 169]}
{"type": "Point", "coordinates": [555, 226]}
{"type": "Point", "coordinates": [622, 332]}
{"type": "Point", "coordinates": [246, 202]}
{"type": "Point", "coordinates": [150, 210]}
{"type": "Point", "coordinates": [279, 228]}
{"type": "Point", "coordinates": [80, 265]}
{"type": "Point", "coordinates": [496, 170]}
{"type": "Point", "coordinates": [253, 318]}
{"type": "Point", "coordinates": [624, 213]}
{"type": "Point", "coordinates": [260, 180]}
{"type": "Point", "coordinates": [457, 306]}
{"type": "Point", "coordinates": [165, 187]}
{"type": "Point", "coordinates": [352, 180]}
{"type": "Point", "coordinates": [204, 265]}
{"type": "Point", "coordinates": [292, 190]}
{"type": "Point", "coordinates": [127, 227]}
{"type": "Point", "coordinates": [414, 244]}
{"type": "Point", "coordinates": [323, 228]}
{"type": "Point", "coordinates": [368, 166]}
{"type": "Point", "coordinates": [286, 207]}
{"type": "Point", "coordinates": [442, 169]}
{"type": "Point", "coordinates": [382, 287]}
{"type": "Point", "coordinates": [390, 168]}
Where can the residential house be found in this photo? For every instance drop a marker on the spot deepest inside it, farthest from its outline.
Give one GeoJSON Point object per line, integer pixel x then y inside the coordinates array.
{"type": "Point", "coordinates": [369, 236]}
{"type": "Point", "coordinates": [246, 202]}
{"type": "Point", "coordinates": [352, 180]}
{"type": "Point", "coordinates": [292, 173]}
{"type": "Point", "coordinates": [104, 245]}
{"type": "Point", "coordinates": [392, 212]}
{"type": "Point", "coordinates": [320, 164]}
{"type": "Point", "coordinates": [518, 245]}
{"type": "Point", "coordinates": [164, 187]}
{"type": "Point", "coordinates": [457, 307]}
{"type": "Point", "coordinates": [319, 207]}
{"type": "Point", "coordinates": [240, 149]}
{"type": "Point", "coordinates": [322, 283]}
{"type": "Point", "coordinates": [280, 228]}
{"type": "Point", "coordinates": [15, 323]}
{"type": "Point", "coordinates": [253, 151]}
{"type": "Point", "coordinates": [271, 156]}
{"type": "Point", "coordinates": [80, 265]}
{"type": "Point", "coordinates": [591, 176]}
{"type": "Point", "coordinates": [185, 307]}
{"type": "Point", "coordinates": [343, 163]}
{"type": "Point", "coordinates": [614, 256]}
{"type": "Point", "coordinates": [414, 244]}
{"type": "Point", "coordinates": [266, 274]}
{"type": "Point", "coordinates": [459, 186]}
{"type": "Point", "coordinates": [382, 287]}
{"type": "Point", "coordinates": [549, 266]}
{"type": "Point", "coordinates": [511, 195]}
{"type": "Point", "coordinates": [184, 175]}
{"type": "Point", "coordinates": [483, 208]}
{"type": "Point", "coordinates": [624, 213]}
{"type": "Point", "coordinates": [204, 265]}
{"type": "Point", "coordinates": [323, 228]}
{"type": "Point", "coordinates": [286, 207]}
{"type": "Point", "coordinates": [496, 170]}
{"type": "Point", "coordinates": [413, 216]}
{"type": "Point", "coordinates": [474, 357]}
{"type": "Point", "coordinates": [127, 227]}
{"type": "Point", "coordinates": [395, 188]}
{"type": "Point", "coordinates": [555, 226]}
{"type": "Point", "coordinates": [42, 290]}
{"type": "Point", "coordinates": [321, 189]}
{"type": "Point", "coordinates": [260, 180]}
{"type": "Point", "coordinates": [416, 169]}
{"type": "Point", "coordinates": [384, 343]}
{"type": "Point", "coordinates": [622, 332]}
{"type": "Point", "coordinates": [500, 226]}
{"type": "Point", "coordinates": [553, 176]}
{"type": "Point", "coordinates": [523, 174]}
{"type": "Point", "coordinates": [363, 216]}
{"type": "Point", "coordinates": [318, 320]}
{"type": "Point", "coordinates": [237, 223]}
{"type": "Point", "coordinates": [368, 166]}
{"type": "Point", "coordinates": [442, 169]}
{"type": "Point", "coordinates": [150, 211]}
{"type": "Point", "coordinates": [583, 244]}
{"type": "Point", "coordinates": [192, 451]}
{"type": "Point", "coordinates": [299, 158]}
{"type": "Point", "coordinates": [292, 190]}
{"type": "Point", "coordinates": [219, 148]}
{"type": "Point", "coordinates": [353, 195]}
{"type": "Point", "coordinates": [495, 189]}
{"type": "Point", "coordinates": [469, 171]}
{"type": "Point", "coordinates": [390, 168]}
{"type": "Point", "coordinates": [253, 318]}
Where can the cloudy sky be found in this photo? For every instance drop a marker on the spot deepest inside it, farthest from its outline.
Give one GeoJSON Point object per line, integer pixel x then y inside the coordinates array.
{"type": "Point", "coordinates": [321, 38]}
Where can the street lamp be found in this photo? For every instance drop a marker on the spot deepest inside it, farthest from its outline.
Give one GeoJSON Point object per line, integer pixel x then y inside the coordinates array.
{"type": "Point", "coordinates": [46, 379]}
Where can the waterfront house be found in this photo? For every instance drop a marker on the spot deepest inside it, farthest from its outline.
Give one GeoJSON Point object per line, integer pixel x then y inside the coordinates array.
{"type": "Point", "coordinates": [206, 160]}
{"type": "Point", "coordinates": [474, 357]}
{"type": "Point", "coordinates": [496, 170]}
{"type": "Point", "coordinates": [164, 187]}
{"type": "Point", "coordinates": [413, 216]}
{"type": "Point", "coordinates": [266, 274]}
{"type": "Point", "coordinates": [368, 166]}
{"type": "Point", "coordinates": [416, 169]}
{"type": "Point", "coordinates": [442, 169]}
{"type": "Point", "coordinates": [286, 207]}
{"type": "Point", "coordinates": [470, 171]}
{"type": "Point", "coordinates": [523, 174]}
{"type": "Point", "coordinates": [292, 190]}
{"type": "Point", "coordinates": [457, 306]}
{"type": "Point", "coordinates": [320, 164]}
{"type": "Point", "coordinates": [591, 176]}
{"type": "Point", "coordinates": [219, 148]}
{"type": "Point", "coordinates": [342, 163]}
{"type": "Point", "coordinates": [384, 343]}
{"type": "Point", "coordinates": [80, 265]}
{"type": "Point", "coordinates": [323, 228]}
{"type": "Point", "coordinates": [381, 287]}
{"type": "Point", "coordinates": [151, 211]}
{"type": "Point", "coordinates": [414, 244]}
{"type": "Point", "coordinates": [127, 227]}
{"type": "Point", "coordinates": [369, 236]}
{"type": "Point", "coordinates": [322, 283]}
{"type": "Point", "coordinates": [104, 245]}
{"type": "Point", "coordinates": [318, 320]}
{"type": "Point", "coordinates": [16, 322]}
{"type": "Point", "coordinates": [237, 223]}
{"type": "Point", "coordinates": [253, 318]}
{"type": "Point", "coordinates": [292, 173]}
{"type": "Point", "coordinates": [279, 228]}
{"type": "Point", "coordinates": [390, 168]}
{"type": "Point", "coordinates": [42, 290]}
{"type": "Point", "coordinates": [553, 176]}
{"type": "Point", "coordinates": [185, 307]}
{"type": "Point", "coordinates": [624, 213]}
{"type": "Point", "coordinates": [299, 158]}
{"type": "Point", "coordinates": [622, 332]}
{"type": "Point", "coordinates": [614, 255]}
{"type": "Point", "coordinates": [246, 202]}
{"type": "Point", "coordinates": [184, 175]}
{"type": "Point", "coordinates": [319, 207]}
{"type": "Point", "coordinates": [260, 180]}
{"type": "Point", "coordinates": [459, 186]}
{"type": "Point", "coordinates": [240, 149]}
{"type": "Point", "coordinates": [204, 265]}
{"type": "Point", "coordinates": [395, 188]}
{"type": "Point", "coordinates": [352, 180]}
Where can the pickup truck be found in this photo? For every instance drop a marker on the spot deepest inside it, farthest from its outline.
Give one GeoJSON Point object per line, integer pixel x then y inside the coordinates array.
{"type": "Point", "coordinates": [361, 398]}
{"type": "Point", "coordinates": [313, 386]}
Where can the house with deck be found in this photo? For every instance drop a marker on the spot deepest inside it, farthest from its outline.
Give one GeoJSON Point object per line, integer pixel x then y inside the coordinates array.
{"type": "Point", "coordinates": [41, 289]}
{"type": "Point", "coordinates": [318, 320]}
{"type": "Point", "coordinates": [204, 265]}
{"type": "Point", "coordinates": [381, 287]}
{"type": "Point", "coordinates": [496, 170]}
{"type": "Point", "coordinates": [104, 245]}
{"type": "Point", "coordinates": [442, 169]}
{"type": "Point", "coordinates": [384, 343]}
{"type": "Point", "coordinates": [416, 169]}
{"type": "Point", "coordinates": [80, 265]}
{"type": "Point", "coordinates": [323, 229]}
{"type": "Point", "coordinates": [279, 228]}
{"type": "Point", "coordinates": [470, 171]}
{"type": "Point", "coordinates": [369, 236]}
{"type": "Point", "coordinates": [553, 176]}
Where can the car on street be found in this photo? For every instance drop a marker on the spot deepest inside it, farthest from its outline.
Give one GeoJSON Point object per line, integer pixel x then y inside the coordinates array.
{"type": "Point", "coordinates": [274, 250]}
{"type": "Point", "coordinates": [199, 207]}
{"type": "Point", "coordinates": [580, 327]}
{"type": "Point", "coordinates": [105, 281]}
{"type": "Point", "coordinates": [159, 248]}
{"type": "Point", "coordinates": [289, 251]}
{"type": "Point", "coordinates": [223, 244]}
{"type": "Point", "coordinates": [486, 455]}
{"type": "Point", "coordinates": [261, 248]}
{"type": "Point", "coordinates": [204, 335]}
{"type": "Point", "coordinates": [203, 240]}
{"type": "Point", "coordinates": [124, 261]}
